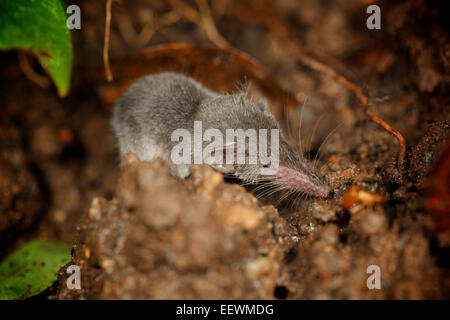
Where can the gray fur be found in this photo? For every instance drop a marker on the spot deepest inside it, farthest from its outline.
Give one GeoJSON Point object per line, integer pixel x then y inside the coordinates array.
{"type": "Point", "coordinates": [154, 106]}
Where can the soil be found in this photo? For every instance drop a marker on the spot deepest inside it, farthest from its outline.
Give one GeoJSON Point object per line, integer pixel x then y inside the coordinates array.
{"type": "Point", "coordinates": [139, 233]}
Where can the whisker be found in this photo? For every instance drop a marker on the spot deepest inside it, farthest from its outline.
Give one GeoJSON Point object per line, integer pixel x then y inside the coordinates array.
{"type": "Point", "coordinates": [300, 126]}
{"type": "Point", "coordinates": [325, 141]}
{"type": "Point", "coordinates": [314, 131]}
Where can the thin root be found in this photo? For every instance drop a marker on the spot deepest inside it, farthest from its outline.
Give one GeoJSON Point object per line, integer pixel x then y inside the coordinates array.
{"type": "Point", "coordinates": [108, 72]}
{"type": "Point", "coordinates": [203, 18]}
{"type": "Point", "coordinates": [151, 27]}
{"type": "Point", "coordinates": [291, 45]}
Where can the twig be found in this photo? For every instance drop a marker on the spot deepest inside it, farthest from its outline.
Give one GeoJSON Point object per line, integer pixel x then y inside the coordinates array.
{"type": "Point", "coordinates": [209, 25]}
{"type": "Point", "coordinates": [357, 91]}
{"type": "Point", "coordinates": [203, 18]}
{"type": "Point", "coordinates": [126, 28]}
{"type": "Point", "coordinates": [151, 27]}
{"type": "Point", "coordinates": [397, 134]}
{"type": "Point", "coordinates": [293, 47]}
{"type": "Point", "coordinates": [109, 75]}
{"type": "Point", "coordinates": [141, 38]}
{"type": "Point", "coordinates": [185, 10]}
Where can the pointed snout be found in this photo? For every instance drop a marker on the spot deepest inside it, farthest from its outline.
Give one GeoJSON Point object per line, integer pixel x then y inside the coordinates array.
{"type": "Point", "coordinates": [302, 182]}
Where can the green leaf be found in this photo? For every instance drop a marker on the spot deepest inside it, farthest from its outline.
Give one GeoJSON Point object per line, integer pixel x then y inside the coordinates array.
{"type": "Point", "coordinates": [39, 26]}
{"type": "Point", "coordinates": [32, 268]}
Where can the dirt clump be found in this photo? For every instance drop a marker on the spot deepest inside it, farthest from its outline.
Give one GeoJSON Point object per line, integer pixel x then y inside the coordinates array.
{"type": "Point", "coordinates": [166, 238]}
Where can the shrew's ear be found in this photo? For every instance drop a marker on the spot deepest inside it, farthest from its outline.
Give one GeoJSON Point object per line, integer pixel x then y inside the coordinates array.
{"type": "Point", "coordinates": [262, 104]}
